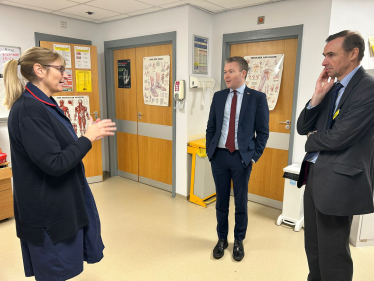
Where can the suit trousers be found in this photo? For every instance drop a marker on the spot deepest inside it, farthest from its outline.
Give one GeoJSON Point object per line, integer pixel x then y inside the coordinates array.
{"type": "Point", "coordinates": [227, 166]}
{"type": "Point", "coordinates": [326, 240]}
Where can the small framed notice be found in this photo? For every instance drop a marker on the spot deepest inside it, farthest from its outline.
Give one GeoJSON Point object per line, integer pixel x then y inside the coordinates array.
{"type": "Point", "coordinates": [200, 55]}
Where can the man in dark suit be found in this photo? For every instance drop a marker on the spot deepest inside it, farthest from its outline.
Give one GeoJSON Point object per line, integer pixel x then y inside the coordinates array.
{"type": "Point", "coordinates": [236, 114]}
{"type": "Point", "coordinates": [338, 166]}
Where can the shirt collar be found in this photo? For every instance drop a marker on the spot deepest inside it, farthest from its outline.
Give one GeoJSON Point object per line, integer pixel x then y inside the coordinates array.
{"type": "Point", "coordinates": [239, 90]}
{"type": "Point", "coordinates": [349, 76]}
{"type": "Point", "coordinates": [38, 94]}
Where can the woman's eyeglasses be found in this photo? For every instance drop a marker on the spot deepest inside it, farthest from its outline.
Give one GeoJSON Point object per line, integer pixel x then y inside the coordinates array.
{"type": "Point", "coordinates": [60, 68]}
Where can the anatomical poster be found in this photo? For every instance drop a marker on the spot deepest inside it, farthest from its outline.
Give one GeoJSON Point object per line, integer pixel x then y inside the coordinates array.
{"type": "Point", "coordinates": [68, 84]}
{"type": "Point", "coordinates": [265, 75]}
{"type": "Point", "coordinates": [77, 109]}
{"type": "Point", "coordinates": [156, 76]}
{"type": "Point", "coordinates": [124, 80]}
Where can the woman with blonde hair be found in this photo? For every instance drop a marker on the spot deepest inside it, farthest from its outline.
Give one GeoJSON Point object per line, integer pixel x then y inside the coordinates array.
{"type": "Point", "coordinates": [55, 213]}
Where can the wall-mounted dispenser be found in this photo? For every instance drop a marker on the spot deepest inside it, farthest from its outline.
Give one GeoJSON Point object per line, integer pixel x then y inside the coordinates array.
{"type": "Point", "coordinates": [202, 82]}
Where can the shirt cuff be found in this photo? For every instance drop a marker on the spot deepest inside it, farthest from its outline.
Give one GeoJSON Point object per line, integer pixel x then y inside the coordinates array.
{"type": "Point", "coordinates": [310, 106]}
{"type": "Point", "coordinates": [253, 161]}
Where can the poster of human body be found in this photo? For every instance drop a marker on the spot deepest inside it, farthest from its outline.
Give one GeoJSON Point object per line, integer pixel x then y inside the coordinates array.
{"type": "Point", "coordinates": [77, 109]}
{"type": "Point", "coordinates": [156, 76]}
{"type": "Point", "coordinates": [265, 75]}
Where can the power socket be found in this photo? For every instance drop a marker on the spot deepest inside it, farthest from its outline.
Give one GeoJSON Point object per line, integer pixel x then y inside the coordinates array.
{"type": "Point", "coordinates": [63, 24]}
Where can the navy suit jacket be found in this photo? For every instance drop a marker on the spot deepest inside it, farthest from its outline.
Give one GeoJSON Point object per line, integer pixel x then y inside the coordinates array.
{"type": "Point", "coordinates": [253, 126]}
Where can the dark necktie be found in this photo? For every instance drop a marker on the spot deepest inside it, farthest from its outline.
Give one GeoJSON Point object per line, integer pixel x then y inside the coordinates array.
{"type": "Point", "coordinates": [230, 141]}
{"type": "Point", "coordinates": [334, 97]}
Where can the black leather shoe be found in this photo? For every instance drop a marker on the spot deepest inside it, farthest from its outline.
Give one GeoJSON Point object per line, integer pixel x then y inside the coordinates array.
{"type": "Point", "coordinates": [219, 249]}
{"type": "Point", "coordinates": [238, 252]}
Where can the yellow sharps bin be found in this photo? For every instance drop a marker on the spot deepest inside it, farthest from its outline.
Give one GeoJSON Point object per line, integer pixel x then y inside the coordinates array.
{"type": "Point", "coordinates": [203, 190]}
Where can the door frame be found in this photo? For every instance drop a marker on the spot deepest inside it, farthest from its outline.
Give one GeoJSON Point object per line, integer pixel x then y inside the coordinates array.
{"type": "Point", "coordinates": [55, 38]}
{"type": "Point", "coordinates": [281, 33]}
{"type": "Point", "coordinates": [134, 42]}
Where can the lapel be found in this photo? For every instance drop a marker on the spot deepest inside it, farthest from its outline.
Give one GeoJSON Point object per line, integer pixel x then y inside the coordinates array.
{"type": "Point", "coordinates": [245, 102]}
{"type": "Point", "coordinates": [352, 83]}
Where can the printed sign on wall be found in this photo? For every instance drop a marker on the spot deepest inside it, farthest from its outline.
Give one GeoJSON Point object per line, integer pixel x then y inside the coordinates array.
{"type": "Point", "coordinates": [82, 57]}
{"type": "Point", "coordinates": [65, 52]}
{"type": "Point", "coordinates": [124, 80]}
{"type": "Point", "coordinates": [156, 76]}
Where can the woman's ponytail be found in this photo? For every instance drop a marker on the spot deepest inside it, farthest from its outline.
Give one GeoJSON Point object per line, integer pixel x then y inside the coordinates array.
{"type": "Point", "coordinates": [13, 85]}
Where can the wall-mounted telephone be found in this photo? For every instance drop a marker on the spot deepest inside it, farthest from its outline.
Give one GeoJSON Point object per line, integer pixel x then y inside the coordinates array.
{"type": "Point", "coordinates": [179, 90]}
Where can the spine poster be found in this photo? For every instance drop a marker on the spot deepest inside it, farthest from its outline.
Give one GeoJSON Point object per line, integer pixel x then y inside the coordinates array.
{"type": "Point", "coordinates": [156, 76]}
{"type": "Point", "coordinates": [65, 52]}
{"type": "Point", "coordinates": [77, 109]}
{"type": "Point", "coordinates": [124, 80]}
{"type": "Point", "coordinates": [265, 75]}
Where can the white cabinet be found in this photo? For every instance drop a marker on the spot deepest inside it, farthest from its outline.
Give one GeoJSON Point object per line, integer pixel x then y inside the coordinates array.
{"type": "Point", "coordinates": [362, 231]}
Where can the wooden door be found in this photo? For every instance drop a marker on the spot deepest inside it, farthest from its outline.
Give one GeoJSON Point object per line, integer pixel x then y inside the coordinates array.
{"type": "Point", "coordinates": [144, 142]}
{"type": "Point", "coordinates": [266, 177]}
{"type": "Point", "coordinates": [126, 118]}
{"type": "Point", "coordinates": [93, 162]}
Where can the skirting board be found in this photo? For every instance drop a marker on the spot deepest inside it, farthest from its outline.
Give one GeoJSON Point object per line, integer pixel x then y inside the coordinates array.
{"type": "Point", "coordinates": [157, 184]}
{"type": "Point", "coordinates": [263, 200]}
{"type": "Point", "coordinates": [94, 179]}
{"type": "Point", "coordinates": [128, 175]}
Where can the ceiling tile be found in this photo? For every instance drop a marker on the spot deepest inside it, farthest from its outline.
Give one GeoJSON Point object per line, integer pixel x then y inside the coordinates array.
{"type": "Point", "coordinates": [121, 6]}
{"type": "Point", "coordinates": [80, 1]}
{"type": "Point", "coordinates": [46, 4]}
{"type": "Point", "coordinates": [81, 10]}
{"type": "Point", "coordinates": [232, 4]}
{"type": "Point", "coordinates": [115, 18]}
{"type": "Point", "coordinates": [25, 6]}
{"type": "Point", "coordinates": [200, 3]}
{"type": "Point", "coordinates": [145, 11]}
{"type": "Point", "coordinates": [206, 5]}
{"type": "Point", "coordinates": [72, 16]}
{"type": "Point", "coordinates": [158, 2]}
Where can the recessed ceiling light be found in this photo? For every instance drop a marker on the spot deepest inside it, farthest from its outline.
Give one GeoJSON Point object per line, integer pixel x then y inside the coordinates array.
{"type": "Point", "coordinates": [90, 13]}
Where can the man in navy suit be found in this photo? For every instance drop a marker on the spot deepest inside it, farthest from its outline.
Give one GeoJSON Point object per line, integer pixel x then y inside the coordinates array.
{"type": "Point", "coordinates": [236, 135]}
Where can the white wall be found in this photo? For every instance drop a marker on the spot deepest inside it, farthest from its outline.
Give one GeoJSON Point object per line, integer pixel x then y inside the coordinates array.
{"type": "Point", "coordinates": [18, 27]}
{"type": "Point", "coordinates": [314, 15]}
{"type": "Point", "coordinates": [199, 23]}
{"type": "Point", "coordinates": [354, 15]}
{"type": "Point", "coordinates": [164, 21]}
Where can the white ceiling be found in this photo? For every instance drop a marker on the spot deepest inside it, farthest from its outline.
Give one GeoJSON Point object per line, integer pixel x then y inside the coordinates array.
{"type": "Point", "coordinates": [109, 10]}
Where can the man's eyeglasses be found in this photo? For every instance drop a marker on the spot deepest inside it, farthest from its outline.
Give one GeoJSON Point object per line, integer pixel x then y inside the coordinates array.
{"type": "Point", "coordinates": [60, 68]}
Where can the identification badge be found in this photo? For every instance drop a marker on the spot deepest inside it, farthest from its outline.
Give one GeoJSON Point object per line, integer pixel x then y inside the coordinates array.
{"type": "Point", "coordinates": [336, 114]}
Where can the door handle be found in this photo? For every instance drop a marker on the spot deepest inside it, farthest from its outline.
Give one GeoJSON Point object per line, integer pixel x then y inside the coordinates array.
{"type": "Point", "coordinates": [96, 114]}
{"type": "Point", "coordinates": [139, 115]}
{"type": "Point", "coordinates": [287, 122]}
